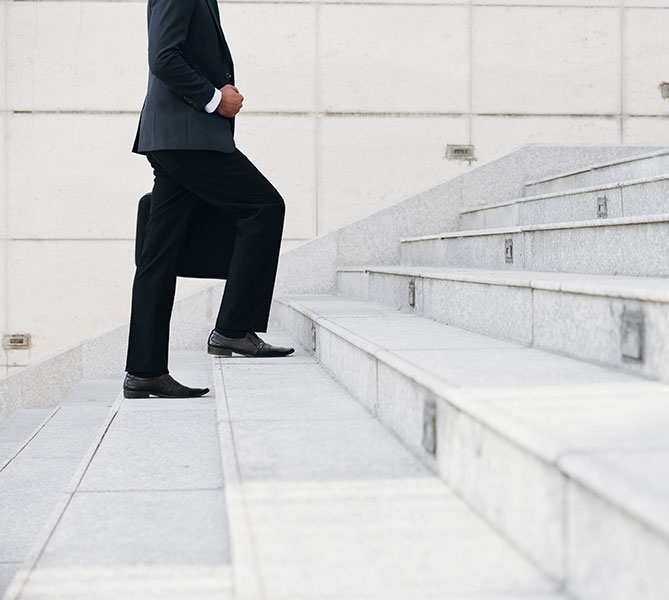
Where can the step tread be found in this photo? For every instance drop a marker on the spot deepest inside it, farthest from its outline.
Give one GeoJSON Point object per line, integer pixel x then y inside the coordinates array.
{"type": "Point", "coordinates": [613, 222]}
{"type": "Point", "coordinates": [34, 475]}
{"type": "Point", "coordinates": [326, 490]}
{"type": "Point", "coordinates": [521, 393]}
{"type": "Point", "coordinates": [148, 494]}
{"type": "Point", "coordinates": [648, 289]}
{"type": "Point", "coordinates": [569, 192]}
{"type": "Point", "coordinates": [600, 165]}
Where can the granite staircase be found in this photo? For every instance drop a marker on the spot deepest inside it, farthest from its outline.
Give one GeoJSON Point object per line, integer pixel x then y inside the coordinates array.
{"type": "Point", "coordinates": [477, 409]}
{"type": "Point", "coordinates": [524, 358]}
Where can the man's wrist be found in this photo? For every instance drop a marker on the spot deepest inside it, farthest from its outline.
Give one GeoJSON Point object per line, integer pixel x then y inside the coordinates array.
{"type": "Point", "coordinates": [214, 102]}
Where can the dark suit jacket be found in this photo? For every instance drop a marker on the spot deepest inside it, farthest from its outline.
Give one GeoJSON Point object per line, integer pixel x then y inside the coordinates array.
{"type": "Point", "coordinates": [208, 241]}
{"type": "Point", "coordinates": [188, 59]}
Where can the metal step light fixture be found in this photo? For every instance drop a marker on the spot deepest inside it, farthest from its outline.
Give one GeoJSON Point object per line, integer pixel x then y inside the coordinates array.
{"type": "Point", "coordinates": [508, 250]}
{"type": "Point", "coordinates": [412, 292]}
{"type": "Point", "coordinates": [602, 207]}
{"type": "Point", "coordinates": [632, 335]}
{"type": "Point", "coordinates": [430, 426]}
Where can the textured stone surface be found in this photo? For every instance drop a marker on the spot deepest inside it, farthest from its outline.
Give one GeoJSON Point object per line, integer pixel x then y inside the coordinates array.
{"type": "Point", "coordinates": [465, 305]}
{"type": "Point", "coordinates": [597, 247]}
{"type": "Point", "coordinates": [572, 207]}
{"type": "Point", "coordinates": [29, 490]}
{"type": "Point", "coordinates": [148, 518]}
{"type": "Point", "coordinates": [266, 392]}
{"type": "Point", "coordinates": [67, 434]}
{"type": "Point", "coordinates": [645, 164]}
{"type": "Point", "coordinates": [610, 555]}
{"type": "Point", "coordinates": [41, 384]}
{"type": "Point", "coordinates": [309, 268]}
{"type": "Point", "coordinates": [352, 367]}
{"type": "Point", "coordinates": [552, 311]}
{"type": "Point", "coordinates": [156, 450]}
{"type": "Point", "coordinates": [647, 198]}
{"type": "Point", "coordinates": [516, 426]}
{"type": "Point", "coordinates": [506, 484]}
{"type": "Point", "coordinates": [394, 291]}
{"type": "Point", "coordinates": [399, 333]}
{"type": "Point", "coordinates": [153, 544]}
{"type": "Point", "coordinates": [22, 423]}
{"type": "Point", "coordinates": [486, 218]}
{"type": "Point", "coordinates": [353, 284]}
{"type": "Point", "coordinates": [390, 525]}
{"type": "Point", "coordinates": [7, 572]}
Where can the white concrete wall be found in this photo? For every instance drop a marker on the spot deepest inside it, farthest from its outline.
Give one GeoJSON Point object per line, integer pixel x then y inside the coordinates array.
{"type": "Point", "coordinates": [349, 108]}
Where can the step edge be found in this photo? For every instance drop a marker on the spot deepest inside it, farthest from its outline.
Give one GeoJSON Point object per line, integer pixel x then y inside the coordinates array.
{"type": "Point", "coordinates": [5, 461]}
{"type": "Point", "coordinates": [245, 564]}
{"type": "Point", "coordinates": [602, 165]}
{"type": "Point", "coordinates": [543, 447]}
{"type": "Point", "coordinates": [571, 192]}
{"type": "Point", "coordinates": [577, 285]}
{"type": "Point", "coordinates": [585, 224]}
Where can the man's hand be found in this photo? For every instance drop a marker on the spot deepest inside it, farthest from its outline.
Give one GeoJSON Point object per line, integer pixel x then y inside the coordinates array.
{"type": "Point", "coordinates": [231, 101]}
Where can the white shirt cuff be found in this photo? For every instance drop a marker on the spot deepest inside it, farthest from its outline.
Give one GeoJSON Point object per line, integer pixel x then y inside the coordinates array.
{"type": "Point", "coordinates": [214, 102]}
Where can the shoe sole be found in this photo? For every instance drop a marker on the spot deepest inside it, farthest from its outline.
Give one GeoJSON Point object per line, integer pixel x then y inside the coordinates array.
{"type": "Point", "coordinates": [227, 352]}
{"type": "Point", "coordinates": [132, 394]}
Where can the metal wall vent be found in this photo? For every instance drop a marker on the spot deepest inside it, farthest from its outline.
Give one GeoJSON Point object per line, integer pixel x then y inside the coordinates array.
{"type": "Point", "coordinates": [632, 336]}
{"type": "Point", "coordinates": [456, 152]}
{"type": "Point", "coordinates": [508, 250]}
{"type": "Point", "coordinates": [602, 207]}
{"type": "Point", "coordinates": [430, 426]}
{"type": "Point", "coordinates": [17, 341]}
{"type": "Point", "coordinates": [664, 90]}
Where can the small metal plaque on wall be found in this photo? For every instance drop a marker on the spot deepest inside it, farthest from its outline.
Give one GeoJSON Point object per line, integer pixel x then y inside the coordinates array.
{"type": "Point", "coordinates": [456, 152]}
{"type": "Point", "coordinates": [16, 341]}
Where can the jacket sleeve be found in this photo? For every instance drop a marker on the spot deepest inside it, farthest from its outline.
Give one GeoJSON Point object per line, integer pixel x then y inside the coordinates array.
{"type": "Point", "coordinates": [169, 21]}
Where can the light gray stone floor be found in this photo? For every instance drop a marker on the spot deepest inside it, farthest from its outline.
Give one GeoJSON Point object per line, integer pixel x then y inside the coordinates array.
{"type": "Point", "coordinates": [144, 515]}
{"type": "Point", "coordinates": [328, 504]}
{"type": "Point", "coordinates": [40, 450]}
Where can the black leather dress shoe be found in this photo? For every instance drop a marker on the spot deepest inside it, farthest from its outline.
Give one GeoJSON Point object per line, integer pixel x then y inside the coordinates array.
{"type": "Point", "coordinates": [249, 345]}
{"type": "Point", "coordinates": [164, 386]}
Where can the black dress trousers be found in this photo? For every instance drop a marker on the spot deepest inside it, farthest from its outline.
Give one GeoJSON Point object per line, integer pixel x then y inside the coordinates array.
{"type": "Point", "coordinates": [230, 182]}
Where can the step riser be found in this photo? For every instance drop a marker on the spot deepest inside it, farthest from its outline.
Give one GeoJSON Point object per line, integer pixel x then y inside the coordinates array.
{"type": "Point", "coordinates": [636, 250]}
{"type": "Point", "coordinates": [576, 325]}
{"type": "Point", "coordinates": [501, 480]}
{"type": "Point", "coordinates": [634, 200]}
{"type": "Point", "coordinates": [637, 169]}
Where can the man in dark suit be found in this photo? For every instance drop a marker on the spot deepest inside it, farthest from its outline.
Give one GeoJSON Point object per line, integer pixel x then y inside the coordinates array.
{"type": "Point", "coordinates": [186, 131]}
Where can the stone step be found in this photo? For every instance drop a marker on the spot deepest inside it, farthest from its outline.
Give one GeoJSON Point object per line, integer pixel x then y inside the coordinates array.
{"type": "Point", "coordinates": [647, 164]}
{"type": "Point", "coordinates": [143, 514]}
{"type": "Point", "coordinates": [630, 198]}
{"type": "Point", "coordinates": [41, 449]}
{"type": "Point", "coordinates": [567, 460]}
{"type": "Point", "coordinates": [636, 246]}
{"type": "Point", "coordinates": [617, 321]}
{"type": "Point", "coordinates": [324, 502]}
